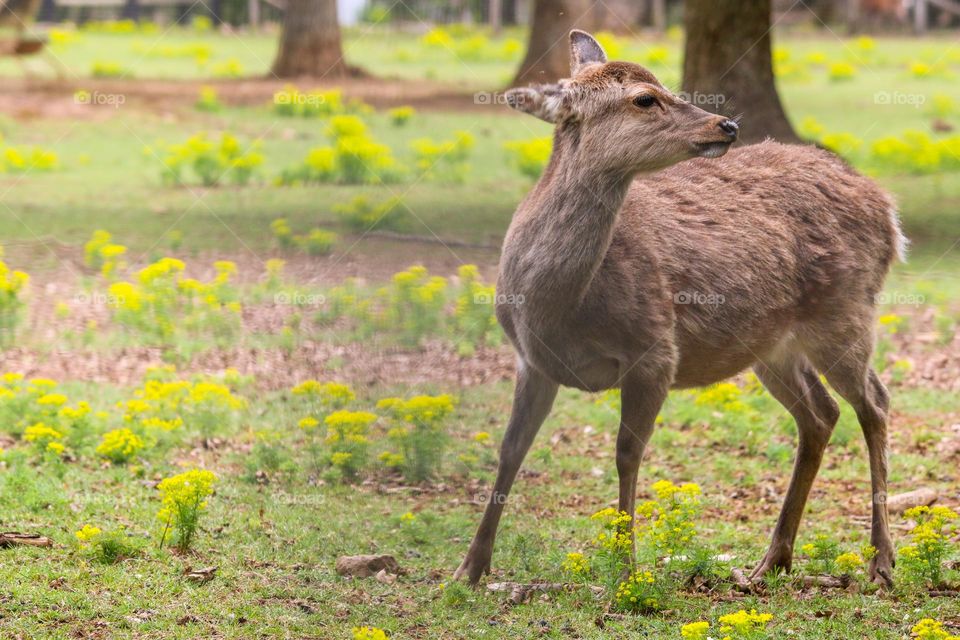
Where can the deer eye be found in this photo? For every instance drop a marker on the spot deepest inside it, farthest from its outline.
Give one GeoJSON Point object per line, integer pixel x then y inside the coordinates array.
{"type": "Point", "coordinates": [645, 101]}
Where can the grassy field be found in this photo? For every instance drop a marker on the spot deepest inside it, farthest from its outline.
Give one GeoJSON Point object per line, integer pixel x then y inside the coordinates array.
{"type": "Point", "coordinates": [203, 371]}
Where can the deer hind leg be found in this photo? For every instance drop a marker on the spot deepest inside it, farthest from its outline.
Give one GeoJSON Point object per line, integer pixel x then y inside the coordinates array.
{"type": "Point", "coordinates": [532, 401]}
{"type": "Point", "coordinates": [641, 400]}
{"type": "Point", "coordinates": [854, 379]}
{"type": "Point", "coordinates": [794, 383]}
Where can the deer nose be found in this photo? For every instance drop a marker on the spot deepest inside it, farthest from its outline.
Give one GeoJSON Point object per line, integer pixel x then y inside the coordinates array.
{"type": "Point", "coordinates": [730, 128]}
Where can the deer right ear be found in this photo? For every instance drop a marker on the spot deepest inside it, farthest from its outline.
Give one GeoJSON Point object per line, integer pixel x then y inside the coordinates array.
{"type": "Point", "coordinates": [584, 50]}
{"type": "Point", "coordinates": [544, 101]}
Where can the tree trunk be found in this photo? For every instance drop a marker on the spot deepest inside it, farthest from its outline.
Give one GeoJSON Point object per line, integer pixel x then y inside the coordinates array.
{"type": "Point", "coordinates": [131, 11]}
{"type": "Point", "coordinates": [548, 52]}
{"type": "Point", "coordinates": [48, 11]}
{"type": "Point", "coordinates": [495, 17]}
{"type": "Point", "coordinates": [658, 15]}
{"type": "Point", "coordinates": [727, 65]}
{"type": "Point", "coordinates": [310, 44]}
{"type": "Point", "coordinates": [618, 16]}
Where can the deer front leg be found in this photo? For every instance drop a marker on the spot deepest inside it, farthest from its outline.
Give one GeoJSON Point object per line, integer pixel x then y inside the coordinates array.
{"type": "Point", "coordinates": [640, 402]}
{"type": "Point", "coordinates": [532, 401]}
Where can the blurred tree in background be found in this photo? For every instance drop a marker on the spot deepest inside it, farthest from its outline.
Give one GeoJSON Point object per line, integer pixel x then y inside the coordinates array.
{"type": "Point", "coordinates": [548, 54]}
{"type": "Point", "coordinates": [310, 44]}
{"type": "Point", "coordinates": [728, 68]}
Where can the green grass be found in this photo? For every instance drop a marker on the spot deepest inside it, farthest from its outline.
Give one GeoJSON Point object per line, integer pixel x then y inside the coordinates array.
{"type": "Point", "coordinates": [106, 154]}
{"type": "Point", "coordinates": [275, 540]}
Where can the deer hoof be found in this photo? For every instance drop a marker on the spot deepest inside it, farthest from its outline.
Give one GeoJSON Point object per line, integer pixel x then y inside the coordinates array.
{"type": "Point", "coordinates": [881, 570]}
{"type": "Point", "coordinates": [774, 561]}
{"type": "Point", "coordinates": [472, 570]}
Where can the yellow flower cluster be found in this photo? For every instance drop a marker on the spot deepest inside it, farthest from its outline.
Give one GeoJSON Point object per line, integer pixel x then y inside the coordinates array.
{"type": "Point", "coordinates": [210, 161]}
{"type": "Point", "coordinates": [308, 424]}
{"type": "Point", "coordinates": [724, 395]}
{"type": "Point", "coordinates": [848, 563]}
{"type": "Point", "coordinates": [418, 435]}
{"type": "Point", "coordinates": [695, 630]}
{"type": "Point", "coordinates": [930, 629]}
{"type": "Point", "coordinates": [530, 156]}
{"type": "Point", "coordinates": [21, 160]}
{"type": "Point", "coordinates": [638, 593]}
{"type": "Point", "coordinates": [12, 285]}
{"type": "Point", "coordinates": [347, 439]}
{"type": "Point", "coordinates": [743, 623]}
{"type": "Point", "coordinates": [328, 395]}
{"type": "Point", "coordinates": [167, 405]}
{"type": "Point", "coordinates": [213, 395]}
{"type": "Point", "coordinates": [576, 564]}
{"type": "Point", "coordinates": [162, 299]}
{"type": "Point", "coordinates": [354, 157]}
{"type": "Point", "coordinates": [617, 534]}
{"type": "Point", "coordinates": [416, 303]}
{"type": "Point", "coordinates": [120, 445]}
{"type": "Point", "coordinates": [12, 282]}
{"type": "Point", "coordinates": [671, 518]}
{"type": "Point", "coordinates": [348, 426]}
{"type": "Point", "coordinates": [184, 498]}
{"type": "Point", "coordinates": [424, 411]}
{"type": "Point", "coordinates": [45, 438]}
{"type": "Point", "coordinates": [369, 633]}
{"type": "Point", "coordinates": [930, 542]}
{"type": "Point", "coordinates": [102, 254]}
{"type": "Point", "coordinates": [87, 534]}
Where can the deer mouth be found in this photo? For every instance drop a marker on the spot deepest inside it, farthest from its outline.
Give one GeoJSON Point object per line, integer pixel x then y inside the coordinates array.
{"type": "Point", "coordinates": [711, 149]}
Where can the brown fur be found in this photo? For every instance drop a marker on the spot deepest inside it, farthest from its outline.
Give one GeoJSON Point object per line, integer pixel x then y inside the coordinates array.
{"type": "Point", "coordinates": [769, 257]}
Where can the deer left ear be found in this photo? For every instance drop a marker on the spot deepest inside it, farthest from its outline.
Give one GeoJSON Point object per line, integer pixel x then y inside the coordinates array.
{"type": "Point", "coordinates": [544, 101]}
{"type": "Point", "coordinates": [584, 50]}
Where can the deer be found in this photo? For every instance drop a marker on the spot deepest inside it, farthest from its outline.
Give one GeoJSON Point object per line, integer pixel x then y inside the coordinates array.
{"type": "Point", "coordinates": [652, 256]}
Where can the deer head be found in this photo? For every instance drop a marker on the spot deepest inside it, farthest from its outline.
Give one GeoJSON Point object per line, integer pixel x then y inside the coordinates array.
{"type": "Point", "coordinates": [620, 116]}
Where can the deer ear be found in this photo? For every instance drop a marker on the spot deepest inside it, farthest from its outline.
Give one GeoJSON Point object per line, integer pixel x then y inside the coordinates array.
{"type": "Point", "coordinates": [584, 50]}
{"type": "Point", "coordinates": [543, 101]}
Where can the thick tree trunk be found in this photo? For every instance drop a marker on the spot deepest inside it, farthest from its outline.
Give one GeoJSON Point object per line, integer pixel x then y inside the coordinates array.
{"type": "Point", "coordinates": [618, 16]}
{"type": "Point", "coordinates": [548, 52]}
{"type": "Point", "coordinates": [727, 65]}
{"type": "Point", "coordinates": [310, 44]}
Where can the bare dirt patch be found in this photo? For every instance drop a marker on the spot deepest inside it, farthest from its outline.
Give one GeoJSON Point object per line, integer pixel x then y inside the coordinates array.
{"type": "Point", "coordinates": [25, 98]}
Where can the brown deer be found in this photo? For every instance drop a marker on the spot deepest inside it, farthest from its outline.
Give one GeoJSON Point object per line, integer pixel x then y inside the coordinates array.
{"type": "Point", "coordinates": [613, 276]}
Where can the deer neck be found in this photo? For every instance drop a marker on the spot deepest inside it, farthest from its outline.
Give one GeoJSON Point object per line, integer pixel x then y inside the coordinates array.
{"type": "Point", "coordinates": [562, 230]}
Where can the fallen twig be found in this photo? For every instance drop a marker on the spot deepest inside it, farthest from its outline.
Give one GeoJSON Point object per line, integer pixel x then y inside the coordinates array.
{"type": "Point", "coordinates": [827, 582]}
{"type": "Point", "coordinates": [11, 538]}
{"type": "Point", "coordinates": [520, 592]}
{"type": "Point", "coordinates": [200, 576]}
